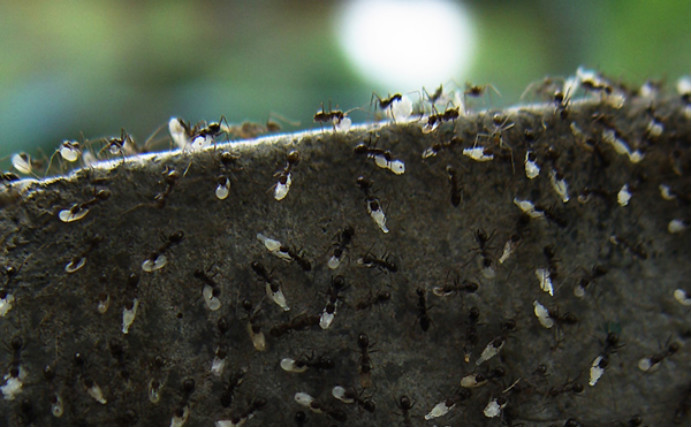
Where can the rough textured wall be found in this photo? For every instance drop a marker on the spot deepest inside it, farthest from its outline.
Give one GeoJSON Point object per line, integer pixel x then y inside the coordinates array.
{"type": "Point", "coordinates": [451, 220]}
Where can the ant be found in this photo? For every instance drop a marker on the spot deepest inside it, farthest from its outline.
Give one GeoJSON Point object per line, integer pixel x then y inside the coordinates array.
{"type": "Point", "coordinates": [323, 116]}
{"type": "Point", "coordinates": [349, 395]}
{"type": "Point", "coordinates": [553, 216]}
{"type": "Point", "coordinates": [651, 363]}
{"type": "Point", "coordinates": [380, 298]}
{"type": "Point", "coordinates": [475, 380]}
{"type": "Point", "coordinates": [339, 119]}
{"type": "Point", "coordinates": [499, 126]}
{"type": "Point", "coordinates": [471, 332]}
{"type": "Point", "coordinates": [454, 188]}
{"type": "Point", "coordinates": [78, 211]}
{"type": "Point", "coordinates": [125, 145]}
{"type": "Point", "coordinates": [373, 205]}
{"type": "Point", "coordinates": [365, 364]}
{"type": "Point", "coordinates": [486, 260]}
{"type": "Point", "coordinates": [157, 259]}
{"type": "Point", "coordinates": [636, 249]}
{"type": "Point", "coordinates": [385, 103]}
{"type": "Point", "coordinates": [320, 363]}
{"type": "Point", "coordinates": [209, 284]}
{"type": "Point", "coordinates": [597, 271]}
{"type": "Point", "coordinates": [423, 317]}
{"type": "Point", "coordinates": [447, 289]}
{"type": "Point", "coordinates": [570, 386]}
{"type": "Point", "coordinates": [261, 271]}
{"type": "Point", "coordinates": [302, 262]}
{"type": "Point", "coordinates": [300, 322]}
{"type": "Point", "coordinates": [610, 346]}
{"type": "Point", "coordinates": [327, 316]}
{"type": "Point", "coordinates": [365, 185]}
{"type": "Point", "coordinates": [405, 404]}
{"type": "Point", "coordinates": [282, 187]}
{"type": "Point", "coordinates": [254, 328]}
{"type": "Point", "coordinates": [170, 177]}
{"type": "Point", "coordinates": [223, 182]}
{"type": "Point", "coordinates": [435, 97]}
{"type": "Point", "coordinates": [434, 120]}
{"type": "Point", "coordinates": [344, 240]}
{"type": "Point", "coordinates": [256, 404]}
{"type": "Point", "coordinates": [79, 261]}
{"type": "Point", "coordinates": [16, 346]}
{"type": "Point", "coordinates": [476, 91]}
{"type": "Point", "coordinates": [549, 253]}
{"type": "Point", "coordinates": [382, 158]}
{"type": "Point", "coordinates": [303, 363]}
{"type": "Point", "coordinates": [370, 261]}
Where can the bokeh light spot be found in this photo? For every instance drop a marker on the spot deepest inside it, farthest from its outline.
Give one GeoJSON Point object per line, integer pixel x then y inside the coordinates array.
{"type": "Point", "coordinates": [405, 44]}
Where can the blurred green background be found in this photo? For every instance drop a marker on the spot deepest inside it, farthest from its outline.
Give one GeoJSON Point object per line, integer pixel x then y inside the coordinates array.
{"type": "Point", "coordinates": [92, 67]}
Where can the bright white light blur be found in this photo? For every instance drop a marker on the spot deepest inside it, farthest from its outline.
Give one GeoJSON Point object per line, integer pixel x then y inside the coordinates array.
{"type": "Point", "coordinates": [406, 44]}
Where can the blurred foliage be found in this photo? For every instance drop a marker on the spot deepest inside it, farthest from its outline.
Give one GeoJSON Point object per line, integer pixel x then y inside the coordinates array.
{"type": "Point", "coordinates": [91, 67]}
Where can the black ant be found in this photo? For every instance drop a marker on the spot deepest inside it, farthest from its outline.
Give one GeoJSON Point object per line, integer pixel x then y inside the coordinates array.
{"type": "Point", "coordinates": [365, 364]}
{"type": "Point", "coordinates": [344, 240]}
{"type": "Point", "coordinates": [499, 126]}
{"type": "Point", "coordinates": [636, 249]}
{"type": "Point", "coordinates": [173, 239]}
{"type": "Point", "coordinates": [212, 129]}
{"type": "Point", "coordinates": [323, 116]}
{"type": "Point", "coordinates": [476, 91]}
{"type": "Point", "coordinates": [170, 177]}
{"type": "Point", "coordinates": [300, 418]}
{"type": "Point", "coordinates": [434, 120]}
{"type": "Point", "coordinates": [553, 216]}
{"type": "Point", "coordinates": [449, 289]}
{"type": "Point", "coordinates": [302, 261]}
{"type": "Point", "coordinates": [486, 261]}
{"type": "Point", "coordinates": [282, 186]}
{"type": "Point", "coordinates": [320, 363]}
{"type": "Point", "coordinates": [338, 284]}
{"type": "Point", "coordinates": [300, 322]}
{"type": "Point", "coordinates": [380, 298]}
{"type": "Point", "coordinates": [78, 211]}
{"type": "Point", "coordinates": [597, 271]}
{"type": "Point", "coordinates": [371, 152]}
{"type": "Point", "coordinates": [367, 404]}
{"type": "Point", "coordinates": [423, 317]}
{"type": "Point", "coordinates": [365, 185]}
{"type": "Point", "coordinates": [16, 346]}
{"type": "Point", "coordinates": [254, 327]}
{"type": "Point", "coordinates": [471, 332]}
{"type": "Point", "coordinates": [234, 380]}
{"type": "Point", "coordinates": [333, 116]}
{"type": "Point", "coordinates": [370, 261]}
{"type": "Point", "coordinates": [549, 253]}
{"type": "Point", "coordinates": [454, 188]}
{"type": "Point", "coordinates": [435, 97]}
{"type": "Point", "coordinates": [125, 144]}
{"type": "Point", "coordinates": [405, 404]}
{"type": "Point", "coordinates": [78, 261]}
{"type": "Point", "coordinates": [385, 103]}
{"type": "Point", "coordinates": [651, 363]}
{"type": "Point", "coordinates": [261, 271]}
{"type": "Point", "coordinates": [199, 274]}
{"type": "Point", "coordinates": [256, 404]}
{"type": "Point", "coordinates": [568, 387]}
{"type": "Point", "coordinates": [611, 343]}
